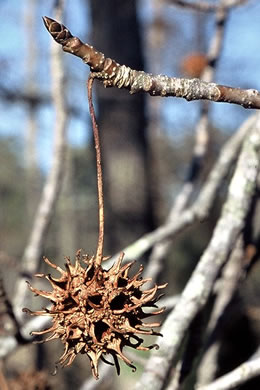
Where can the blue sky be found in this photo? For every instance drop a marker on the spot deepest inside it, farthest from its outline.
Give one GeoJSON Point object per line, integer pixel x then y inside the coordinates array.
{"type": "Point", "coordinates": [239, 66]}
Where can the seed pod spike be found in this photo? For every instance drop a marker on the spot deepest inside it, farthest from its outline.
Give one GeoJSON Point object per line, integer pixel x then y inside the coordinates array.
{"type": "Point", "coordinates": [47, 261]}
{"type": "Point", "coordinates": [117, 264]}
{"type": "Point", "coordinates": [41, 332]}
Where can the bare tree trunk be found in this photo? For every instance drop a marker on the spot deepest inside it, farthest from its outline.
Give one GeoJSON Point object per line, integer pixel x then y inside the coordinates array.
{"type": "Point", "coordinates": [122, 127]}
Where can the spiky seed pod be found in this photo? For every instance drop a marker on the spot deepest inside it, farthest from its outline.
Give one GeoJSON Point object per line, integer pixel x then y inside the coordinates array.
{"type": "Point", "coordinates": [96, 311]}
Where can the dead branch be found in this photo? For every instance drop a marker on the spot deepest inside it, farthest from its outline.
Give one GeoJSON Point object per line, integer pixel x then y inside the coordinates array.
{"type": "Point", "coordinates": [199, 287]}
{"type": "Point", "coordinates": [113, 74]}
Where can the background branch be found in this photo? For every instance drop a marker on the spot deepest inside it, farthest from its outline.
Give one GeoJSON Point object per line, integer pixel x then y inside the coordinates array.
{"type": "Point", "coordinates": [240, 375]}
{"type": "Point", "coordinates": [225, 289]}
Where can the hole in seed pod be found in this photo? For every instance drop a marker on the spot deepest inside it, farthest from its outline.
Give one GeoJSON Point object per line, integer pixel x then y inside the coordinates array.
{"type": "Point", "coordinates": [133, 320]}
{"type": "Point", "coordinates": [90, 273]}
{"type": "Point", "coordinates": [121, 282]}
{"type": "Point", "coordinates": [75, 333]}
{"type": "Point", "coordinates": [118, 302]}
{"type": "Point", "coordinates": [96, 299]}
{"type": "Point", "coordinates": [137, 293]}
{"type": "Point", "coordinates": [68, 303]}
{"type": "Point", "coordinates": [100, 329]}
{"type": "Point", "coordinates": [88, 308]}
{"type": "Point", "coordinates": [59, 284]}
{"type": "Point", "coordinates": [136, 341]}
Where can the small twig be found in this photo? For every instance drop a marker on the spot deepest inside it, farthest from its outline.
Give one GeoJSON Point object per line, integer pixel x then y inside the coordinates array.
{"type": "Point", "coordinates": [100, 246]}
{"type": "Point", "coordinates": [113, 74]}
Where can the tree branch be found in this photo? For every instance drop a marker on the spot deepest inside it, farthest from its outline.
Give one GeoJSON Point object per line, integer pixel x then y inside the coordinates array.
{"type": "Point", "coordinates": [113, 74]}
{"type": "Point", "coordinates": [199, 287]}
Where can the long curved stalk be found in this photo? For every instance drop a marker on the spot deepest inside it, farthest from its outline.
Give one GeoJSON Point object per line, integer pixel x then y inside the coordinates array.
{"type": "Point", "coordinates": [100, 245]}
